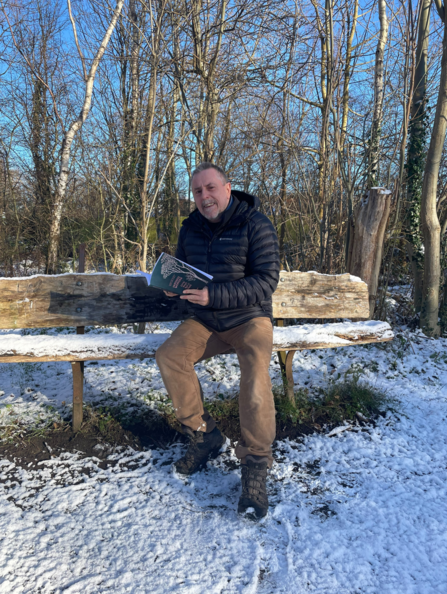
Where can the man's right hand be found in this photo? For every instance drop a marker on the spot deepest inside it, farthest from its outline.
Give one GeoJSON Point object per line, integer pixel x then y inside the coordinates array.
{"type": "Point", "coordinates": [169, 294]}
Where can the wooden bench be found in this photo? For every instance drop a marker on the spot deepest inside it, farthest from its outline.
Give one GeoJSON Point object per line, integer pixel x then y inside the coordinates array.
{"type": "Point", "coordinates": [79, 300]}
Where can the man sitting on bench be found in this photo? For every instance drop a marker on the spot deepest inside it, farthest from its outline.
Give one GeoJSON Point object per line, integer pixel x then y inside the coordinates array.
{"type": "Point", "coordinates": [230, 239]}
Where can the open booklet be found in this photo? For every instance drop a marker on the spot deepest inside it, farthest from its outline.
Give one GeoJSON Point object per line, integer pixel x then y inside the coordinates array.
{"type": "Point", "coordinates": [171, 274]}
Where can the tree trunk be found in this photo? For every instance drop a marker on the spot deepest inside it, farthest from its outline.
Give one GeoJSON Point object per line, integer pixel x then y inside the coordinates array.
{"type": "Point", "coordinates": [326, 41]}
{"type": "Point", "coordinates": [347, 70]}
{"type": "Point", "coordinates": [429, 219]}
{"type": "Point", "coordinates": [146, 208]}
{"type": "Point", "coordinates": [431, 228]}
{"type": "Point", "coordinates": [370, 224]}
{"type": "Point", "coordinates": [416, 155]}
{"type": "Point", "coordinates": [443, 309]}
{"type": "Point", "coordinates": [59, 199]}
{"type": "Point", "coordinates": [374, 142]}
{"type": "Point", "coordinates": [205, 67]}
{"type": "Point", "coordinates": [350, 235]}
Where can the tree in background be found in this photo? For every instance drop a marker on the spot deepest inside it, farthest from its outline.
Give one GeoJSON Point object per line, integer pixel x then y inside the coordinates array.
{"type": "Point", "coordinates": [431, 227]}
{"type": "Point", "coordinates": [284, 95]}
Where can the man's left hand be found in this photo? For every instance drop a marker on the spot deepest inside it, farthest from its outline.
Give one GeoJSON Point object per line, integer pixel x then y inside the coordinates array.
{"type": "Point", "coordinates": [198, 296]}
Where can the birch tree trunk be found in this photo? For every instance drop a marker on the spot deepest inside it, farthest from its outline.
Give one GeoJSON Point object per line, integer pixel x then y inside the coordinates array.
{"type": "Point", "coordinates": [431, 228]}
{"type": "Point", "coordinates": [67, 141]}
{"type": "Point", "coordinates": [145, 207]}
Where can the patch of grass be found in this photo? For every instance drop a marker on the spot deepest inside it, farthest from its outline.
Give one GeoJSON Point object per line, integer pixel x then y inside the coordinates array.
{"type": "Point", "coordinates": [10, 429]}
{"type": "Point", "coordinates": [343, 400]}
{"type": "Point", "coordinates": [16, 429]}
{"type": "Point", "coordinates": [338, 402]}
{"type": "Point", "coordinates": [439, 357]}
{"type": "Point", "coordinates": [225, 412]}
{"type": "Point", "coordinates": [300, 411]}
{"type": "Point", "coordinates": [102, 421]}
{"type": "Point", "coordinates": [228, 409]}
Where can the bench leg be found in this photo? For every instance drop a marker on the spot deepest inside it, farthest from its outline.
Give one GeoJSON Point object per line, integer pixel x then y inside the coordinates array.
{"type": "Point", "coordinates": [285, 362]}
{"type": "Point", "coordinates": [78, 391]}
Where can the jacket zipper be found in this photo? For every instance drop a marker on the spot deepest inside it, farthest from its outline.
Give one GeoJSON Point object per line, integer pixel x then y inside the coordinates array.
{"type": "Point", "coordinates": [209, 252]}
{"type": "Point", "coordinates": [207, 269]}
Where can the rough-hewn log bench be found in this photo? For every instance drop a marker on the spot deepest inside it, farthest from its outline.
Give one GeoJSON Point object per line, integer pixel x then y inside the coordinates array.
{"type": "Point", "coordinates": [106, 299]}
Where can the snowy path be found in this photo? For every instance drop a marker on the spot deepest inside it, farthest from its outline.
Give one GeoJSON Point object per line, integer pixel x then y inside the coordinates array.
{"type": "Point", "coordinates": [362, 512]}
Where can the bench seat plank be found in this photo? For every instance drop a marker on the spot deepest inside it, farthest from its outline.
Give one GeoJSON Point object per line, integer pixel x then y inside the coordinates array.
{"type": "Point", "coordinates": [95, 347]}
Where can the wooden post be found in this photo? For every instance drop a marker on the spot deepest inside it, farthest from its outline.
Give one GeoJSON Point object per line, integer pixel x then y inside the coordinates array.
{"type": "Point", "coordinates": [141, 327]}
{"type": "Point", "coordinates": [78, 390]}
{"type": "Point", "coordinates": [78, 367]}
{"type": "Point", "coordinates": [370, 224]}
{"type": "Point", "coordinates": [281, 354]}
{"type": "Point", "coordinates": [289, 376]}
{"type": "Point", "coordinates": [285, 359]}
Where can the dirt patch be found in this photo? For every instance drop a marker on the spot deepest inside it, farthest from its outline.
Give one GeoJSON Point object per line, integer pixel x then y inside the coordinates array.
{"type": "Point", "coordinates": [292, 432]}
{"type": "Point", "coordinates": [100, 436]}
{"type": "Point", "coordinates": [154, 429]}
{"type": "Point", "coordinates": [30, 450]}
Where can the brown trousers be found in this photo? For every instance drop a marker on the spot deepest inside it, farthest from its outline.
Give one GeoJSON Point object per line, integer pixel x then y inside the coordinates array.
{"type": "Point", "coordinates": [192, 342]}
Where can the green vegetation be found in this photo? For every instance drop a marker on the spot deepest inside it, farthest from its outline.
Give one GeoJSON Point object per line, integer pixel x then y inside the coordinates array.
{"type": "Point", "coordinates": [341, 400]}
{"type": "Point", "coordinates": [12, 427]}
{"type": "Point", "coordinates": [101, 421]}
{"type": "Point", "coordinates": [338, 402]}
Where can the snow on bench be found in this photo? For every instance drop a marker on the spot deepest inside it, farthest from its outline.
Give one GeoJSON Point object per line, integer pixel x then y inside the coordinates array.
{"type": "Point", "coordinates": [15, 348]}
{"type": "Point", "coordinates": [322, 336]}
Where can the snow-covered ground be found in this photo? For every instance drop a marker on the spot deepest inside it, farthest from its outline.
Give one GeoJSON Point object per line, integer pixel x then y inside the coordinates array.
{"type": "Point", "coordinates": [364, 511]}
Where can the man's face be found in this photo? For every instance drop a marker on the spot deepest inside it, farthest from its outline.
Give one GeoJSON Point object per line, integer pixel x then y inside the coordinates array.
{"type": "Point", "coordinates": [211, 194]}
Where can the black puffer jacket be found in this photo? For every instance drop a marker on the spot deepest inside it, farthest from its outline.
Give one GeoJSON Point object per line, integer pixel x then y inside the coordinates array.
{"type": "Point", "coordinates": [242, 256]}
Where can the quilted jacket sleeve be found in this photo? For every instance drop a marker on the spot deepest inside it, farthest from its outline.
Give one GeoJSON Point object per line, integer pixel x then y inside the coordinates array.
{"type": "Point", "coordinates": [262, 270]}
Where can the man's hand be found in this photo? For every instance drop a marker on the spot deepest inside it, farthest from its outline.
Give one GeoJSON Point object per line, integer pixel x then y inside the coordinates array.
{"type": "Point", "coordinates": [169, 294]}
{"type": "Point", "coordinates": [198, 296]}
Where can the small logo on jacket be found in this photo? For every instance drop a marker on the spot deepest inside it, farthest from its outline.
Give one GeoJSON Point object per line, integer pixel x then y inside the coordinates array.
{"type": "Point", "coordinates": [226, 239]}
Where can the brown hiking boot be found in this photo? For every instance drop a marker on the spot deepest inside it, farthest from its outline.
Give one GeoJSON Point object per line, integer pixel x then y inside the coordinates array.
{"type": "Point", "coordinates": [202, 447]}
{"type": "Point", "coordinates": [254, 493]}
